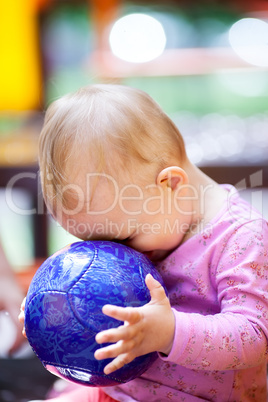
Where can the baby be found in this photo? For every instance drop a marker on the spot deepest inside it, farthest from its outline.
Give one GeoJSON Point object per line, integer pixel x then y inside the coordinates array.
{"type": "Point", "coordinates": [114, 167]}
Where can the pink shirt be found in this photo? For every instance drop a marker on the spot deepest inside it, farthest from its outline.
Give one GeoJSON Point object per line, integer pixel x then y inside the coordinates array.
{"type": "Point", "coordinates": [218, 288]}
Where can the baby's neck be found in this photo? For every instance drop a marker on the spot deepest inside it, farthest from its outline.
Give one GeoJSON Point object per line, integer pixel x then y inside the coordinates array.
{"type": "Point", "coordinates": [208, 202]}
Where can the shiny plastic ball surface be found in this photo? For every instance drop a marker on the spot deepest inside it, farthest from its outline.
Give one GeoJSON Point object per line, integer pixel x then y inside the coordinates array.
{"type": "Point", "coordinates": [63, 311]}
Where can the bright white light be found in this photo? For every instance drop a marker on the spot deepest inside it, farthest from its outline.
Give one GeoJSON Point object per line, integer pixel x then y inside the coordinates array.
{"type": "Point", "coordinates": [137, 38]}
{"type": "Point", "coordinates": [249, 39]}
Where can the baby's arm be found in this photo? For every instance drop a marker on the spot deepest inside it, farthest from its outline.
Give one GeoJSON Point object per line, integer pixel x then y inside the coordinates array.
{"type": "Point", "coordinates": [224, 341]}
{"type": "Point", "coordinates": [147, 329]}
{"type": "Point", "coordinates": [235, 337]}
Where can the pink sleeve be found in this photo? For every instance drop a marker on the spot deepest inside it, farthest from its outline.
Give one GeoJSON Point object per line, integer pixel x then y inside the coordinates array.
{"type": "Point", "coordinates": [236, 337]}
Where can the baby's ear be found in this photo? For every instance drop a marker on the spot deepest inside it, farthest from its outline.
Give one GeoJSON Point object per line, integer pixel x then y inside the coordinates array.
{"type": "Point", "coordinates": [172, 177]}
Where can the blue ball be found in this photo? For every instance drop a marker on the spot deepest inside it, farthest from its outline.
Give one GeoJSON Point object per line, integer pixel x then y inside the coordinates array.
{"type": "Point", "coordinates": [63, 311]}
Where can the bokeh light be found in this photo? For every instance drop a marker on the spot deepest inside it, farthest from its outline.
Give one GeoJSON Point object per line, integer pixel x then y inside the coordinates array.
{"type": "Point", "coordinates": [249, 39]}
{"type": "Point", "coordinates": [137, 38]}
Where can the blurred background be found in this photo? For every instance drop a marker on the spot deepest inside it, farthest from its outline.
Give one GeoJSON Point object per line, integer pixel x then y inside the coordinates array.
{"type": "Point", "coordinates": [205, 62]}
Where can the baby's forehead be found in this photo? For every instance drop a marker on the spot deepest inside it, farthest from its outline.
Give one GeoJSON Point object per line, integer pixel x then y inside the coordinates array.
{"type": "Point", "coordinates": [91, 186]}
{"type": "Point", "coordinates": [94, 182]}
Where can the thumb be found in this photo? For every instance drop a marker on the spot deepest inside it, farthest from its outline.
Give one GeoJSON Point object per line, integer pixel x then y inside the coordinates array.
{"type": "Point", "coordinates": [157, 291]}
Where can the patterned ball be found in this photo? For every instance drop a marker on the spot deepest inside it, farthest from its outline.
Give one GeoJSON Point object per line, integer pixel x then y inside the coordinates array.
{"type": "Point", "coordinates": [63, 311]}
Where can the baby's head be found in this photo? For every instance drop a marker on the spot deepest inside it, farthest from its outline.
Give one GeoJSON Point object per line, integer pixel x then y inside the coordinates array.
{"type": "Point", "coordinates": [105, 129]}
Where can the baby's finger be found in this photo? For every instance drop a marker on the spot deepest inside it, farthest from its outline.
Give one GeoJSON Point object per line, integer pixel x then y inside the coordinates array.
{"type": "Point", "coordinates": [114, 350]}
{"type": "Point", "coordinates": [22, 307]}
{"type": "Point", "coordinates": [157, 291]}
{"type": "Point", "coordinates": [21, 317]}
{"type": "Point", "coordinates": [106, 352]}
{"type": "Point", "coordinates": [129, 314]}
{"type": "Point", "coordinates": [110, 335]}
{"type": "Point", "coordinates": [123, 332]}
{"type": "Point", "coordinates": [118, 362]}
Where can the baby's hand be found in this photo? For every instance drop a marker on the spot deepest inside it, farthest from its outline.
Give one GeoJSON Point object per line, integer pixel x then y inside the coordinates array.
{"type": "Point", "coordinates": [21, 316]}
{"type": "Point", "coordinates": [146, 329]}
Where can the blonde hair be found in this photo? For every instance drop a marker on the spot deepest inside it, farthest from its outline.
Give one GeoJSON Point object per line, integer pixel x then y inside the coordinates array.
{"type": "Point", "coordinates": [99, 122]}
